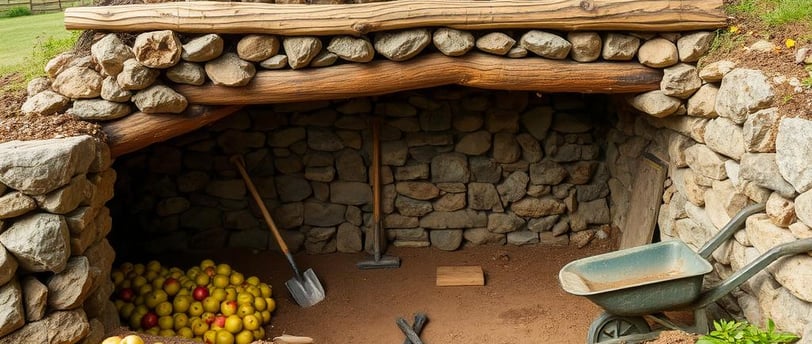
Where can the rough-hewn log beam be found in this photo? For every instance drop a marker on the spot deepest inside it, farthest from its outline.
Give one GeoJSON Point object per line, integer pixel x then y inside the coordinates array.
{"type": "Point", "coordinates": [473, 70]}
{"type": "Point", "coordinates": [285, 19]}
{"type": "Point", "coordinates": [140, 130]}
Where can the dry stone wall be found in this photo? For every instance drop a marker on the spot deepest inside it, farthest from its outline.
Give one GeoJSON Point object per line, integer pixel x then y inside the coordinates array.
{"type": "Point", "coordinates": [460, 167]}
{"type": "Point", "coordinates": [119, 78]}
{"type": "Point", "coordinates": [54, 259]}
{"type": "Point", "coordinates": [729, 146]}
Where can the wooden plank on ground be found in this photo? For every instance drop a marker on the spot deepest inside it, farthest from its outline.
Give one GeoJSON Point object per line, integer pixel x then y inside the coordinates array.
{"type": "Point", "coordinates": [460, 276]}
{"type": "Point", "coordinates": [647, 193]}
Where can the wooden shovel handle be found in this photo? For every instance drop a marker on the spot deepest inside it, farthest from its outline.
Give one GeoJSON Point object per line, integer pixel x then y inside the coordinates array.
{"type": "Point", "coordinates": [240, 163]}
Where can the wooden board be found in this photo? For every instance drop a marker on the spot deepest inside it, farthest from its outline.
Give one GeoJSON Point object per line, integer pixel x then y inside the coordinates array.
{"type": "Point", "coordinates": [460, 276]}
{"type": "Point", "coordinates": [647, 193]}
{"type": "Point", "coordinates": [359, 19]}
{"type": "Point", "coordinates": [430, 70]}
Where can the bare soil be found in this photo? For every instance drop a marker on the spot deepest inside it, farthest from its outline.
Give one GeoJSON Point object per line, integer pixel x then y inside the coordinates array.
{"type": "Point", "coordinates": [521, 302]}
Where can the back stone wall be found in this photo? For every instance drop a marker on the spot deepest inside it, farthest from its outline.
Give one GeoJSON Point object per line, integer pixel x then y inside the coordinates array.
{"type": "Point", "coordinates": [461, 167]}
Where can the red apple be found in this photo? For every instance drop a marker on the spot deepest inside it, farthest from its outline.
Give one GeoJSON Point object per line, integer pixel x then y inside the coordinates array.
{"type": "Point", "coordinates": [200, 293]}
{"type": "Point", "coordinates": [208, 318]}
{"type": "Point", "coordinates": [149, 320]}
{"type": "Point", "coordinates": [126, 294]}
{"type": "Point", "coordinates": [220, 321]}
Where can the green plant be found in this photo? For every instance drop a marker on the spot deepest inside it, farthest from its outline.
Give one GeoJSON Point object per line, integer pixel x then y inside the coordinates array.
{"type": "Point", "coordinates": [18, 11]}
{"type": "Point", "coordinates": [742, 332]}
{"type": "Point", "coordinates": [726, 40]}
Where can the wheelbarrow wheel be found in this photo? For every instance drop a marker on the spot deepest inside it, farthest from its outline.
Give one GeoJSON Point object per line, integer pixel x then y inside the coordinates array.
{"type": "Point", "coordinates": [609, 326]}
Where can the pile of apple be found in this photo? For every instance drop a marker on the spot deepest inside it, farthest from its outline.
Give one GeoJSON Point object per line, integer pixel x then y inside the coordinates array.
{"type": "Point", "coordinates": [209, 302]}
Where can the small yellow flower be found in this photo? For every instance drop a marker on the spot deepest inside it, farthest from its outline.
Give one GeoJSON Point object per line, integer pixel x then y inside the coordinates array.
{"type": "Point", "coordinates": [733, 29]}
{"type": "Point", "coordinates": [789, 43]}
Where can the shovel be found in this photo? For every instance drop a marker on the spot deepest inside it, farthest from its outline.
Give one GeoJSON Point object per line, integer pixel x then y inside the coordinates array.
{"type": "Point", "coordinates": [305, 288]}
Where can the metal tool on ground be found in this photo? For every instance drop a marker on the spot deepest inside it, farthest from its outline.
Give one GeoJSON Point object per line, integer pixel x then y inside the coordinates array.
{"type": "Point", "coordinates": [449, 276]}
{"type": "Point", "coordinates": [412, 333]}
{"type": "Point", "coordinates": [378, 261]}
{"type": "Point", "coordinates": [306, 288]}
{"type": "Point", "coordinates": [288, 339]}
{"type": "Point", "coordinates": [420, 320]}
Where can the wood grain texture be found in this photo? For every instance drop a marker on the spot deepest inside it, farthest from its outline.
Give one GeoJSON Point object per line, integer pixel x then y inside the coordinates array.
{"type": "Point", "coordinates": [139, 130]}
{"type": "Point", "coordinates": [358, 19]}
{"type": "Point", "coordinates": [432, 70]}
{"type": "Point", "coordinates": [448, 276]}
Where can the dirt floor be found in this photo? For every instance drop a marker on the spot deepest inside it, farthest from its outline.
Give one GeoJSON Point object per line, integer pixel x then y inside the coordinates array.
{"type": "Point", "coordinates": [521, 303]}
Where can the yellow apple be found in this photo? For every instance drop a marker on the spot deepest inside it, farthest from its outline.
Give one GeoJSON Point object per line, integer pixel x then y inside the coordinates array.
{"type": "Point", "coordinates": [163, 308]}
{"type": "Point", "coordinates": [244, 337]}
{"type": "Point", "coordinates": [224, 337]}
{"type": "Point", "coordinates": [233, 324]}
{"type": "Point", "coordinates": [132, 339]}
{"type": "Point", "coordinates": [112, 340]}
{"type": "Point", "coordinates": [250, 322]}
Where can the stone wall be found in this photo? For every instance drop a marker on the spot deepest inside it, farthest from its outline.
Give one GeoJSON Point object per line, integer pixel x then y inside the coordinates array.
{"type": "Point", "coordinates": [54, 259]}
{"type": "Point", "coordinates": [729, 146]}
{"type": "Point", "coordinates": [460, 167]}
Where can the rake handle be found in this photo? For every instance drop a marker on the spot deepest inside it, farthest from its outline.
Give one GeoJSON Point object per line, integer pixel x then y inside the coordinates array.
{"type": "Point", "coordinates": [238, 161]}
{"type": "Point", "coordinates": [376, 188]}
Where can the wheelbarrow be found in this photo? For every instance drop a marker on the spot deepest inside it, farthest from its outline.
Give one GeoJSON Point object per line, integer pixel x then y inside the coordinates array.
{"type": "Point", "coordinates": [636, 285]}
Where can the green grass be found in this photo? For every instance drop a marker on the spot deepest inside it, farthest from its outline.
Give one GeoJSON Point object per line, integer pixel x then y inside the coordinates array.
{"type": "Point", "coordinates": [789, 11]}
{"type": "Point", "coordinates": [775, 12]}
{"type": "Point", "coordinates": [29, 42]}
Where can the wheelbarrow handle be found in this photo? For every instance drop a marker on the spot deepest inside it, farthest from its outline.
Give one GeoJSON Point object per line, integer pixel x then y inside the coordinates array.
{"type": "Point", "coordinates": [729, 229]}
{"type": "Point", "coordinates": [735, 280]}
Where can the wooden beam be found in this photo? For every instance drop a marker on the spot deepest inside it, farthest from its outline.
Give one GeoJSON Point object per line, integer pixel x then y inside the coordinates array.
{"type": "Point", "coordinates": [432, 70]}
{"type": "Point", "coordinates": [448, 276]}
{"type": "Point", "coordinates": [140, 130]}
{"type": "Point", "coordinates": [358, 19]}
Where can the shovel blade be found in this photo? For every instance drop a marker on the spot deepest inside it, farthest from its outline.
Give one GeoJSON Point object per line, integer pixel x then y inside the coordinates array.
{"type": "Point", "coordinates": [308, 291]}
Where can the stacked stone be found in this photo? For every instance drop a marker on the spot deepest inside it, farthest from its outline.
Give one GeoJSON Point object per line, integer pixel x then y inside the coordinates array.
{"type": "Point", "coordinates": [54, 259]}
{"type": "Point", "coordinates": [459, 166]}
{"type": "Point", "coordinates": [116, 78]}
{"type": "Point", "coordinates": [729, 146]}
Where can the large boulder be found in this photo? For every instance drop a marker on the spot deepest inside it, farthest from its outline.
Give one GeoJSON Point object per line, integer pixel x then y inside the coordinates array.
{"type": "Point", "coordinates": [256, 48]}
{"type": "Point", "coordinates": [545, 44]}
{"type": "Point", "coordinates": [619, 47]}
{"type": "Point", "coordinates": [496, 43]}
{"type": "Point", "coordinates": [658, 53]}
{"type": "Point", "coordinates": [135, 76]}
{"type": "Point", "coordinates": [402, 45]}
{"type": "Point", "coordinates": [202, 49]}
{"type": "Point", "coordinates": [14, 204]}
{"type": "Point", "coordinates": [59, 327]}
{"type": "Point", "coordinates": [453, 42]}
{"type": "Point", "coordinates": [35, 298]}
{"type": "Point", "coordinates": [538, 207]}
{"type": "Point", "coordinates": [301, 50]}
{"type": "Point", "coordinates": [78, 82]}
{"type": "Point", "coordinates": [12, 314]}
{"type": "Point", "coordinates": [743, 91]}
{"type": "Point", "coordinates": [230, 70]}
{"type": "Point", "coordinates": [586, 46]}
{"type": "Point", "coordinates": [8, 265]}
{"type": "Point", "coordinates": [40, 242]}
{"type": "Point", "coordinates": [680, 81]}
{"type": "Point", "coordinates": [725, 137]}
{"type": "Point", "coordinates": [793, 147]}
{"type": "Point", "coordinates": [99, 109]}
{"type": "Point", "coordinates": [762, 169]}
{"type": "Point", "coordinates": [160, 99]}
{"type": "Point", "coordinates": [352, 48]}
{"type": "Point", "coordinates": [39, 167]}
{"type": "Point", "coordinates": [450, 168]}
{"type": "Point", "coordinates": [46, 102]}
{"type": "Point", "coordinates": [110, 53]}
{"type": "Point", "coordinates": [656, 103]}
{"type": "Point", "coordinates": [69, 288]}
{"type": "Point", "coordinates": [157, 49]}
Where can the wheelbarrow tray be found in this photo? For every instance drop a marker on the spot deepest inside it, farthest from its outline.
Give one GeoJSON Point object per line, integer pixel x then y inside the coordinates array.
{"type": "Point", "coordinates": [640, 280]}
